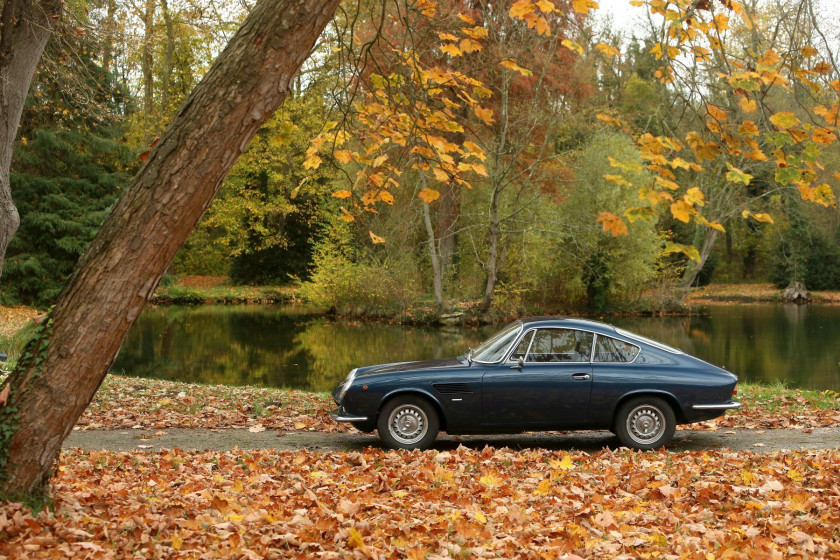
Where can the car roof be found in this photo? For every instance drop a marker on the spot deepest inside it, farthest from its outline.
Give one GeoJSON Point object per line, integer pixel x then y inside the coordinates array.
{"type": "Point", "coordinates": [568, 322]}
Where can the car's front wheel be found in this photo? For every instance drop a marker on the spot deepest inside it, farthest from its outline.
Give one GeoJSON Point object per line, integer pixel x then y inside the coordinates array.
{"type": "Point", "coordinates": [408, 422]}
{"type": "Point", "coordinates": [645, 423]}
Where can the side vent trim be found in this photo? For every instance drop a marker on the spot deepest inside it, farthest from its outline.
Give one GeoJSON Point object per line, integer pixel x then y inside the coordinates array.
{"type": "Point", "coordinates": [451, 388]}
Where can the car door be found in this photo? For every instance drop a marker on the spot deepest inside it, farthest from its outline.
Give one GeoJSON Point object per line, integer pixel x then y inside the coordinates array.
{"type": "Point", "coordinates": [552, 387]}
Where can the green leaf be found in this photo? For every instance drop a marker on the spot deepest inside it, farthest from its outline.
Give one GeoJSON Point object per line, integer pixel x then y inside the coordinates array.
{"type": "Point", "coordinates": [735, 175]}
{"type": "Point", "coordinates": [787, 175]}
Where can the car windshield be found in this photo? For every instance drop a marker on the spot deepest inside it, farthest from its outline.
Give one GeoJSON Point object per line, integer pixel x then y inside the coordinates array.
{"type": "Point", "coordinates": [494, 349]}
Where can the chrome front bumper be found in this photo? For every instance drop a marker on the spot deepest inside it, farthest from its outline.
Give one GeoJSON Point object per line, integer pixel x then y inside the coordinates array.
{"type": "Point", "coordinates": [721, 406]}
{"type": "Point", "coordinates": [339, 415]}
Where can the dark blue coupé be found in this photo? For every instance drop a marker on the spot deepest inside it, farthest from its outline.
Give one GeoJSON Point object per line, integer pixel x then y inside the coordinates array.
{"type": "Point", "coordinates": [540, 374]}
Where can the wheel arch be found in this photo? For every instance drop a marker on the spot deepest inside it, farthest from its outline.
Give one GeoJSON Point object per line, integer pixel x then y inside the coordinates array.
{"type": "Point", "coordinates": [669, 398]}
{"type": "Point", "coordinates": [414, 393]}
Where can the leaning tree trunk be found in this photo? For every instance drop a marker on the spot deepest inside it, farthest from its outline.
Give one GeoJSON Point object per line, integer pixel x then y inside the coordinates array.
{"type": "Point", "coordinates": [693, 268]}
{"type": "Point", "coordinates": [64, 365]}
{"type": "Point", "coordinates": [25, 27]}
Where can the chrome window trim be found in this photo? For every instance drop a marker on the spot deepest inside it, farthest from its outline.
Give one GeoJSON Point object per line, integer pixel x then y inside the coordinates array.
{"type": "Point", "coordinates": [636, 357]}
{"type": "Point", "coordinates": [525, 333]}
{"type": "Point", "coordinates": [649, 342]}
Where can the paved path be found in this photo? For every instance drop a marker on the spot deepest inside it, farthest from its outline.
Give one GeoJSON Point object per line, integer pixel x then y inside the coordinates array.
{"type": "Point", "coordinates": [221, 440]}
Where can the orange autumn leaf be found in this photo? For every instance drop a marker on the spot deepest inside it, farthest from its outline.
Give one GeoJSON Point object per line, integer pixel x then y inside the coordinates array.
{"type": "Point", "coordinates": [612, 224]}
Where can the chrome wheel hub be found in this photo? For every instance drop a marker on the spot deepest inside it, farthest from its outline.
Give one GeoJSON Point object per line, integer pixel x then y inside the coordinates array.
{"type": "Point", "coordinates": [408, 424]}
{"type": "Point", "coordinates": [645, 424]}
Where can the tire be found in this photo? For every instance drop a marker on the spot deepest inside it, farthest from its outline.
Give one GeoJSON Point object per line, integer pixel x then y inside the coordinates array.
{"type": "Point", "coordinates": [645, 423]}
{"type": "Point", "coordinates": [408, 422]}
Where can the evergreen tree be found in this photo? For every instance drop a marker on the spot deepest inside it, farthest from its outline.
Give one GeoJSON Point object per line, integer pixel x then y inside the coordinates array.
{"type": "Point", "coordinates": [67, 169]}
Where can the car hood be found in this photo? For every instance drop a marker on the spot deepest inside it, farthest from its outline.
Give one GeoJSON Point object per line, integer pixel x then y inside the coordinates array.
{"type": "Point", "coordinates": [415, 366]}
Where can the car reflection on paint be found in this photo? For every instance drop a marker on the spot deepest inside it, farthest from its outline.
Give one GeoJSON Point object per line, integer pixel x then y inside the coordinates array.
{"type": "Point", "coordinates": [539, 374]}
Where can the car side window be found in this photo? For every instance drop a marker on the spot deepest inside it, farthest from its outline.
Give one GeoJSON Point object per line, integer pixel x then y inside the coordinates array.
{"type": "Point", "coordinates": [613, 350]}
{"type": "Point", "coordinates": [560, 345]}
{"type": "Point", "coordinates": [522, 347]}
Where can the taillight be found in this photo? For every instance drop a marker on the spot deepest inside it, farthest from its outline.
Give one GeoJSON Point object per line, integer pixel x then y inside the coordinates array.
{"type": "Point", "coordinates": [734, 391]}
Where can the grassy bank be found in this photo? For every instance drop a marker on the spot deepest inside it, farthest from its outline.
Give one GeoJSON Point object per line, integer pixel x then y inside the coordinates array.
{"type": "Point", "coordinates": [749, 293]}
{"type": "Point", "coordinates": [193, 290]}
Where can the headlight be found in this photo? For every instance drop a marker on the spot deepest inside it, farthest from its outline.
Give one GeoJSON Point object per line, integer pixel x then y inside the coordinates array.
{"type": "Point", "coordinates": [347, 382]}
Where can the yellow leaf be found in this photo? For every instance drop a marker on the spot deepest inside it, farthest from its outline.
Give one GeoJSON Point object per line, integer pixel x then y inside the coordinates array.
{"type": "Point", "coordinates": [766, 218]}
{"type": "Point", "coordinates": [475, 150]}
{"type": "Point", "coordinates": [440, 174]}
{"type": "Point", "coordinates": [386, 197]}
{"type": "Point", "coordinates": [682, 210]}
{"type": "Point", "coordinates": [344, 156]}
{"type": "Point", "coordinates": [808, 51]}
{"type": "Point", "coordinates": [342, 194]}
{"type": "Point", "coordinates": [565, 464]}
{"type": "Point", "coordinates": [695, 196]}
{"type": "Point", "coordinates": [479, 169]}
{"type": "Point", "coordinates": [748, 105]}
{"type": "Point", "coordinates": [466, 19]}
{"type": "Point", "coordinates": [511, 65]}
{"type": "Point", "coordinates": [447, 37]}
{"type": "Point", "coordinates": [583, 6]}
{"type": "Point", "coordinates": [609, 120]}
{"type": "Point", "coordinates": [355, 540]}
{"type": "Point", "coordinates": [312, 162]}
{"type": "Point", "coordinates": [543, 488]}
{"type": "Point", "coordinates": [490, 479]}
{"type": "Point", "coordinates": [485, 114]}
{"type": "Point", "coordinates": [476, 32]}
{"type": "Point", "coordinates": [375, 238]}
{"type": "Point", "coordinates": [572, 46]}
{"type": "Point", "coordinates": [612, 223]}
{"type": "Point", "coordinates": [716, 112]}
{"type": "Point", "coordinates": [546, 6]}
{"type": "Point", "coordinates": [749, 128]}
{"type": "Point", "coordinates": [784, 119]}
{"type": "Point", "coordinates": [428, 195]}
{"type": "Point", "coordinates": [480, 517]}
{"type": "Point", "coordinates": [824, 136]}
{"type": "Point", "coordinates": [520, 8]}
{"type": "Point", "coordinates": [608, 50]}
{"type": "Point", "coordinates": [451, 49]}
{"type": "Point", "coordinates": [177, 542]}
{"type": "Point", "coordinates": [794, 475]}
{"type": "Point", "coordinates": [469, 46]}
{"type": "Point", "coordinates": [688, 250]}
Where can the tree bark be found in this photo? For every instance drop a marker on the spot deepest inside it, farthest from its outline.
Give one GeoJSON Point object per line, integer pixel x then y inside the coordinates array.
{"type": "Point", "coordinates": [147, 63]}
{"type": "Point", "coordinates": [694, 268]}
{"type": "Point", "coordinates": [24, 30]}
{"type": "Point", "coordinates": [492, 251]}
{"type": "Point", "coordinates": [63, 367]}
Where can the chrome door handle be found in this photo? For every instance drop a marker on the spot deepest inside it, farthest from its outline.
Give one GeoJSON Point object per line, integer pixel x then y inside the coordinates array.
{"type": "Point", "coordinates": [580, 376]}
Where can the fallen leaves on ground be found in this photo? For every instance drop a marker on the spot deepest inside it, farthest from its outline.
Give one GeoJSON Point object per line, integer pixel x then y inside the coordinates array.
{"type": "Point", "coordinates": [133, 402]}
{"type": "Point", "coordinates": [12, 319]}
{"type": "Point", "coordinates": [490, 503]}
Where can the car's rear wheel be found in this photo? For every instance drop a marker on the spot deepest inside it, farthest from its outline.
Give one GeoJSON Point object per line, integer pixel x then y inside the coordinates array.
{"type": "Point", "coordinates": [408, 422]}
{"type": "Point", "coordinates": [645, 423]}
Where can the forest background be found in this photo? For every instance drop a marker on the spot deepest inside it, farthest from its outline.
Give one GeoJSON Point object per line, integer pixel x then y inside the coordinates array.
{"type": "Point", "coordinates": [518, 221]}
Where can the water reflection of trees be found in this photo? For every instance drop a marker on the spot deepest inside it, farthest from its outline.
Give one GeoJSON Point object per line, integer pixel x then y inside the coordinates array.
{"type": "Point", "coordinates": [284, 347]}
{"type": "Point", "coordinates": [766, 343]}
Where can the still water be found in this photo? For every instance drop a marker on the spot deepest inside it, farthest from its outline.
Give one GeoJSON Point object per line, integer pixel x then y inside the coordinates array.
{"type": "Point", "coordinates": [281, 346]}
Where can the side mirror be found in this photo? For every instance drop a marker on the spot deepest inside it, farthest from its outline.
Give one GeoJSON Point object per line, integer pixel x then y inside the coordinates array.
{"type": "Point", "coordinates": [519, 363]}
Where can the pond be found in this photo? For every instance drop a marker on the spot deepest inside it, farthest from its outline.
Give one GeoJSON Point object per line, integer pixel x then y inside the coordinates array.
{"type": "Point", "coordinates": [286, 346]}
